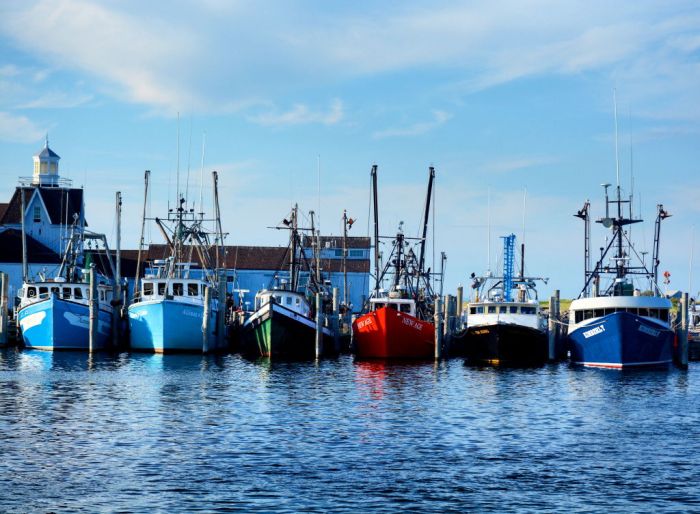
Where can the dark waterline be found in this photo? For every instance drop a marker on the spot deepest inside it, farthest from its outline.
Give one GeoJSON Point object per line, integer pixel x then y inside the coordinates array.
{"type": "Point", "coordinates": [137, 433]}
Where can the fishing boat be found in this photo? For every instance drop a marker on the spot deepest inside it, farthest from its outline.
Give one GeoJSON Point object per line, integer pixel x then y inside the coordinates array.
{"type": "Point", "coordinates": [177, 305]}
{"type": "Point", "coordinates": [54, 313]}
{"type": "Point", "coordinates": [501, 328]}
{"type": "Point", "coordinates": [398, 324]}
{"type": "Point", "coordinates": [283, 324]}
{"type": "Point", "coordinates": [613, 324]}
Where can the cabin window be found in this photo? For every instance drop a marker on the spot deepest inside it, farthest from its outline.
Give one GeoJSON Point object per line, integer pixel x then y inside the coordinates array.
{"type": "Point", "coordinates": [588, 314]}
{"type": "Point", "coordinates": [177, 289]}
{"type": "Point", "coordinates": [528, 310]}
{"type": "Point", "coordinates": [54, 291]}
{"type": "Point", "coordinates": [599, 313]}
{"type": "Point", "coordinates": [102, 295]}
{"type": "Point", "coordinates": [654, 313]}
{"type": "Point", "coordinates": [43, 291]}
{"type": "Point", "coordinates": [147, 288]}
{"type": "Point", "coordinates": [406, 307]}
{"type": "Point", "coordinates": [378, 305]}
{"type": "Point", "coordinates": [644, 312]}
{"type": "Point", "coordinates": [278, 298]}
{"type": "Point", "coordinates": [392, 306]}
{"type": "Point", "coordinates": [192, 289]}
{"type": "Point", "coordinates": [37, 214]}
{"type": "Point", "coordinates": [161, 288]}
{"type": "Point", "coordinates": [578, 316]}
{"type": "Point", "coordinates": [479, 310]}
{"type": "Point", "coordinates": [492, 309]}
{"type": "Point", "coordinates": [663, 314]}
{"type": "Point", "coordinates": [503, 309]}
{"type": "Point", "coordinates": [298, 301]}
{"type": "Point", "coordinates": [78, 293]}
{"type": "Point", "coordinates": [66, 292]}
{"type": "Point", "coordinates": [472, 310]}
{"type": "Point", "coordinates": [288, 300]}
{"type": "Point", "coordinates": [31, 292]}
{"type": "Point", "coordinates": [513, 309]}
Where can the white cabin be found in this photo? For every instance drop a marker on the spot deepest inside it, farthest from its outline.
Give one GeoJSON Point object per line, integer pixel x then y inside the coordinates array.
{"type": "Point", "coordinates": [405, 305]}
{"type": "Point", "coordinates": [585, 310]}
{"type": "Point", "coordinates": [525, 314]}
{"type": "Point", "coordinates": [289, 299]}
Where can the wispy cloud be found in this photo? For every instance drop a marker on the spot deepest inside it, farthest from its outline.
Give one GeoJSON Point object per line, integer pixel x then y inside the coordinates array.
{"type": "Point", "coordinates": [56, 100]}
{"type": "Point", "coordinates": [301, 114]}
{"type": "Point", "coordinates": [18, 129]}
{"type": "Point", "coordinates": [416, 129]}
{"type": "Point", "coordinates": [509, 164]}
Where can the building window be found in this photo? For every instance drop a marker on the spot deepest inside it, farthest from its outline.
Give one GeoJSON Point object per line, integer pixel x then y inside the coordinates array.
{"type": "Point", "coordinates": [37, 214]}
{"type": "Point", "coordinates": [356, 253]}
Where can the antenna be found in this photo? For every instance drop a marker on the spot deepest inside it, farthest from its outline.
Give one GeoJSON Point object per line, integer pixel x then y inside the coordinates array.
{"type": "Point", "coordinates": [318, 206]}
{"type": "Point", "coordinates": [617, 155]}
{"type": "Point", "coordinates": [189, 156]}
{"type": "Point", "coordinates": [488, 224]}
{"type": "Point", "coordinates": [177, 182]}
{"type": "Point", "coordinates": [201, 176]}
{"type": "Point", "coordinates": [692, 247]}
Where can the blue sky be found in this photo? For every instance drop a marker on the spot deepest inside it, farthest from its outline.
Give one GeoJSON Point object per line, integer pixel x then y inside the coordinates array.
{"type": "Point", "coordinates": [498, 96]}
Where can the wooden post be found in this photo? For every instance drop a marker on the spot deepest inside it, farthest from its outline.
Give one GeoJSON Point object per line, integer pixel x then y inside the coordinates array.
{"type": "Point", "coordinates": [460, 306]}
{"type": "Point", "coordinates": [319, 327]}
{"type": "Point", "coordinates": [205, 319]}
{"type": "Point", "coordinates": [438, 328]}
{"type": "Point", "coordinates": [557, 316]}
{"type": "Point", "coordinates": [683, 333]}
{"type": "Point", "coordinates": [552, 328]}
{"type": "Point", "coordinates": [335, 320]}
{"type": "Point", "coordinates": [3, 309]}
{"type": "Point", "coordinates": [221, 319]}
{"type": "Point", "coordinates": [117, 291]}
{"type": "Point", "coordinates": [93, 309]}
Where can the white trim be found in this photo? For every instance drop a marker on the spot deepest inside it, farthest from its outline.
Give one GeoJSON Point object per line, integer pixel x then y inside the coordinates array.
{"type": "Point", "coordinates": [617, 365]}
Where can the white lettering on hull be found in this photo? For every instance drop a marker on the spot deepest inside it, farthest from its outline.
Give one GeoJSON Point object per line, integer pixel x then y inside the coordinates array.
{"type": "Point", "coordinates": [413, 324]}
{"type": "Point", "coordinates": [649, 331]}
{"type": "Point", "coordinates": [594, 331]}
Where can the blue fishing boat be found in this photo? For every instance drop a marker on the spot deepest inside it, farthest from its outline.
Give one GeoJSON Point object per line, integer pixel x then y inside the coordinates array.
{"type": "Point", "coordinates": [176, 307]}
{"type": "Point", "coordinates": [618, 324]}
{"type": "Point", "coordinates": [54, 313]}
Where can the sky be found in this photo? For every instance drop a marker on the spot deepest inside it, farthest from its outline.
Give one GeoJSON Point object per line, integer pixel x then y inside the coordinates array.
{"type": "Point", "coordinates": [294, 101]}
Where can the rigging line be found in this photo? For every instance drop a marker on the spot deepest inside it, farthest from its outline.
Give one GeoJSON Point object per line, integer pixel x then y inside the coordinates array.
{"type": "Point", "coordinates": [201, 177]}
{"type": "Point", "coordinates": [177, 190]}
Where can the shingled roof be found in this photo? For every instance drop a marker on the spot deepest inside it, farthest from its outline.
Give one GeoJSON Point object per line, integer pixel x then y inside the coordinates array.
{"type": "Point", "coordinates": [60, 203]}
{"type": "Point", "coordinates": [37, 253]}
{"type": "Point", "coordinates": [337, 242]}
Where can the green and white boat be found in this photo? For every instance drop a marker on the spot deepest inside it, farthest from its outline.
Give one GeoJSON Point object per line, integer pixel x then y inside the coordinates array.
{"type": "Point", "coordinates": [282, 326]}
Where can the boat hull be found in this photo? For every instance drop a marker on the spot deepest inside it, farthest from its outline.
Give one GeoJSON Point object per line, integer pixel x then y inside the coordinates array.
{"type": "Point", "coordinates": [277, 332]}
{"type": "Point", "coordinates": [621, 340]}
{"type": "Point", "coordinates": [506, 344]}
{"type": "Point", "coordinates": [170, 326]}
{"type": "Point", "coordinates": [386, 333]}
{"type": "Point", "coordinates": [58, 324]}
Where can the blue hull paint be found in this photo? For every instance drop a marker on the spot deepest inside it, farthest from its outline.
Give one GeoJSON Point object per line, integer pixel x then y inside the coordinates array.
{"type": "Point", "coordinates": [169, 326]}
{"type": "Point", "coordinates": [621, 340]}
{"type": "Point", "coordinates": [57, 324]}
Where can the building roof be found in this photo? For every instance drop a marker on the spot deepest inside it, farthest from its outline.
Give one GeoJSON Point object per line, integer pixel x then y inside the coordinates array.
{"type": "Point", "coordinates": [254, 258]}
{"type": "Point", "coordinates": [11, 249]}
{"type": "Point", "coordinates": [46, 152]}
{"type": "Point", "coordinates": [60, 203]}
{"type": "Point", "coordinates": [3, 209]}
{"type": "Point", "coordinates": [337, 242]}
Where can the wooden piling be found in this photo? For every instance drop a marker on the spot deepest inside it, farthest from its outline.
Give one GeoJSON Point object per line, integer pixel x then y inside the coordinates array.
{"type": "Point", "coordinates": [93, 310]}
{"type": "Point", "coordinates": [682, 359]}
{"type": "Point", "coordinates": [552, 328]}
{"type": "Point", "coordinates": [221, 318]}
{"type": "Point", "coordinates": [438, 328]}
{"type": "Point", "coordinates": [205, 319]}
{"type": "Point", "coordinates": [335, 321]}
{"type": "Point", "coordinates": [460, 306]}
{"type": "Point", "coordinates": [3, 309]}
{"type": "Point", "coordinates": [319, 327]}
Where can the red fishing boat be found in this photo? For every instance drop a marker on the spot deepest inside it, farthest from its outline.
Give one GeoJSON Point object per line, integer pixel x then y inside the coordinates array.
{"type": "Point", "coordinates": [399, 322]}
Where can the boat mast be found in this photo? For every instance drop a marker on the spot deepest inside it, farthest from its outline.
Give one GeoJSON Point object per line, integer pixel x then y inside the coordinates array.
{"type": "Point", "coordinates": [584, 214]}
{"type": "Point", "coordinates": [426, 217]}
{"type": "Point", "coordinates": [661, 215]}
{"type": "Point", "coordinates": [376, 229]}
{"type": "Point", "coordinates": [25, 271]}
{"type": "Point", "coordinates": [146, 176]}
{"type": "Point", "coordinates": [345, 256]}
{"type": "Point", "coordinates": [217, 211]}
{"type": "Point", "coordinates": [293, 248]}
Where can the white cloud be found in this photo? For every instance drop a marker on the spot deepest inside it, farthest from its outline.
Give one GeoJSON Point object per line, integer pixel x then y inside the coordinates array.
{"type": "Point", "coordinates": [301, 114]}
{"type": "Point", "coordinates": [504, 165]}
{"type": "Point", "coordinates": [18, 129]}
{"type": "Point", "coordinates": [416, 129]}
{"type": "Point", "coordinates": [56, 100]}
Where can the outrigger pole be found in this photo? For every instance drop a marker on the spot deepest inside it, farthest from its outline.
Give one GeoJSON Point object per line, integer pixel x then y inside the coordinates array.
{"type": "Point", "coordinates": [146, 176]}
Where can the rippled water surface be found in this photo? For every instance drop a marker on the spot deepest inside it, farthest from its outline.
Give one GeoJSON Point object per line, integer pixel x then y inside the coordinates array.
{"type": "Point", "coordinates": [185, 433]}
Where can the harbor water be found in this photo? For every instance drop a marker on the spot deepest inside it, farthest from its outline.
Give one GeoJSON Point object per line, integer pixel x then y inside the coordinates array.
{"type": "Point", "coordinates": [184, 433]}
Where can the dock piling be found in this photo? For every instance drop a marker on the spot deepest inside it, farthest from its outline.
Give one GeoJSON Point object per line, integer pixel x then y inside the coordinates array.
{"type": "Point", "coordinates": [3, 309]}
{"type": "Point", "coordinates": [221, 318]}
{"type": "Point", "coordinates": [438, 328]}
{"type": "Point", "coordinates": [319, 327]}
{"type": "Point", "coordinates": [460, 306]}
{"type": "Point", "coordinates": [552, 328]}
{"type": "Point", "coordinates": [93, 310]}
{"type": "Point", "coordinates": [205, 319]}
{"type": "Point", "coordinates": [335, 320]}
{"type": "Point", "coordinates": [682, 332]}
